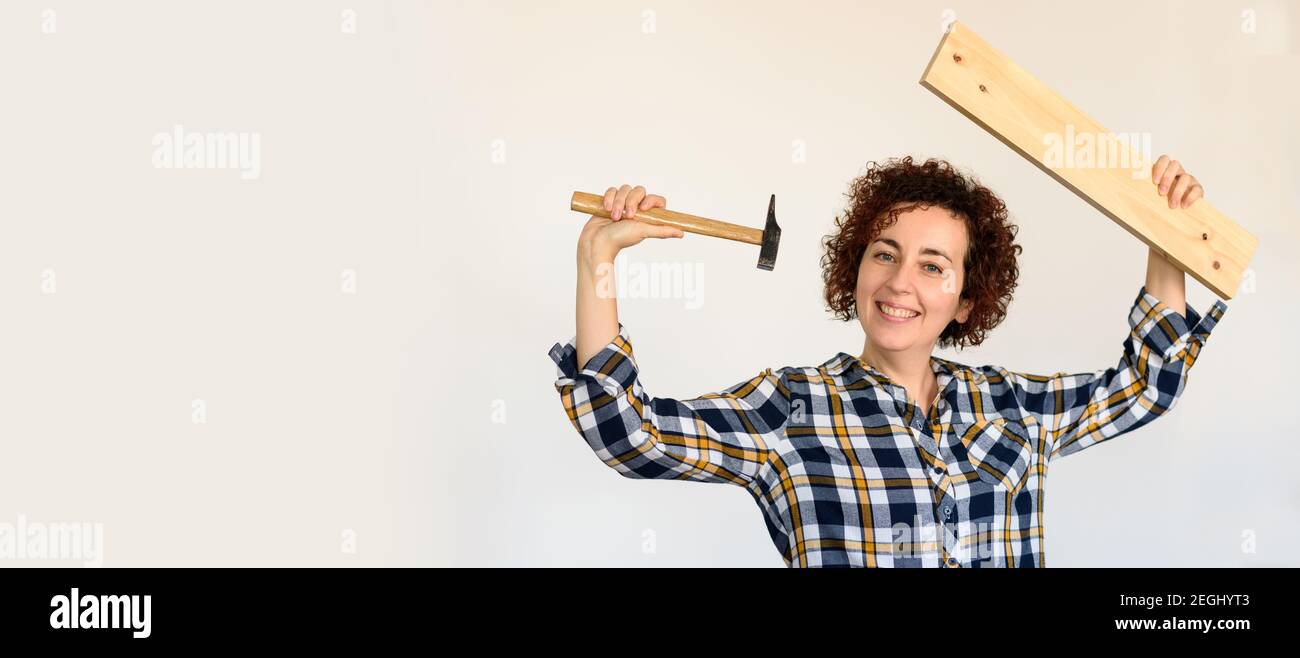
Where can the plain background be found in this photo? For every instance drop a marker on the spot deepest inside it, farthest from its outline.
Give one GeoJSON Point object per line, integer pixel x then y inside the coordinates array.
{"type": "Point", "coordinates": [432, 153]}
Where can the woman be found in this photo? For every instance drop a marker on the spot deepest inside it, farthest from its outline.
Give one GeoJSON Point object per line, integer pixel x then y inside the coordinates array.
{"type": "Point", "coordinates": [894, 457]}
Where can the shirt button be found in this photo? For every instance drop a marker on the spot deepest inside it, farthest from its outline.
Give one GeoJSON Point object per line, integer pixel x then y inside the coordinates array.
{"type": "Point", "coordinates": [938, 469]}
{"type": "Point", "coordinates": [952, 561]}
{"type": "Point", "coordinates": [947, 511]}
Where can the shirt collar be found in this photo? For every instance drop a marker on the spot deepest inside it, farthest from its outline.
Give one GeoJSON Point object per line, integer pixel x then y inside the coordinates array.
{"type": "Point", "coordinates": [842, 363]}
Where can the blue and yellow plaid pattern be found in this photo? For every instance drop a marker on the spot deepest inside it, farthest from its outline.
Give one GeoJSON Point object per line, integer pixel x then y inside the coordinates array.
{"type": "Point", "coordinates": [846, 471]}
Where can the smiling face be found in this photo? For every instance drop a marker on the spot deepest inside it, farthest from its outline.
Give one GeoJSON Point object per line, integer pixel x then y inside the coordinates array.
{"type": "Point", "coordinates": [910, 280]}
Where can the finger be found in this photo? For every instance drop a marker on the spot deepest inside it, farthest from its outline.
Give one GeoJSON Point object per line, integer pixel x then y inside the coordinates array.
{"type": "Point", "coordinates": [653, 201]}
{"type": "Point", "coordinates": [1185, 182]}
{"type": "Point", "coordinates": [1158, 169]}
{"type": "Point", "coordinates": [633, 200]}
{"type": "Point", "coordinates": [1169, 176]}
{"type": "Point", "coordinates": [649, 230]}
{"type": "Point", "coordinates": [1193, 194]}
{"type": "Point", "coordinates": [609, 198]}
{"type": "Point", "coordinates": [619, 198]}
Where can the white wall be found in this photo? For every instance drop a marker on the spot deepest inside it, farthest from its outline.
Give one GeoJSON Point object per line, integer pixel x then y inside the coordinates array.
{"type": "Point", "coordinates": [433, 152]}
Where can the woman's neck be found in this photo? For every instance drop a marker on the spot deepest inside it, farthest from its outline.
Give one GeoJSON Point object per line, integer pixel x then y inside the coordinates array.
{"type": "Point", "coordinates": [911, 370]}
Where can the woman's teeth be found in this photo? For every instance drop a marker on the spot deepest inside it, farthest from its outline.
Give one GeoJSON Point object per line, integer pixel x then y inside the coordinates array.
{"type": "Point", "coordinates": [896, 312]}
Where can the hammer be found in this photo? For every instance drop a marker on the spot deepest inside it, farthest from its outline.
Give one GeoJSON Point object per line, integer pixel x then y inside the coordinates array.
{"type": "Point", "coordinates": [768, 239]}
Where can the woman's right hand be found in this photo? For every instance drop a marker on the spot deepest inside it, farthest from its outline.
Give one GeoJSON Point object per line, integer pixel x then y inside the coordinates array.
{"type": "Point", "coordinates": [602, 238]}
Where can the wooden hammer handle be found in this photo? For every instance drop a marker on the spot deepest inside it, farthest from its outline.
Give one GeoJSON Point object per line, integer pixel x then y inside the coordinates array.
{"type": "Point", "coordinates": [594, 204]}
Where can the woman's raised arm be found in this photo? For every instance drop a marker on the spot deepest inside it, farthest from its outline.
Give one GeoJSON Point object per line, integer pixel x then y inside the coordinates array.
{"type": "Point", "coordinates": [601, 240]}
{"type": "Point", "coordinates": [1164, 280]}
{"type": "Point", "coordinates": [1165, 337]}
{"type": "Point", "coordinates": [718, 437]}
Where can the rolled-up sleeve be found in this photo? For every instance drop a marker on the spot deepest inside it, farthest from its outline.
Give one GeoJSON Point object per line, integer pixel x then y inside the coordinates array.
{"type": "Point", "coordinates": [1083, 409]}
{"type": "Point", "coordinates": [718, 437]}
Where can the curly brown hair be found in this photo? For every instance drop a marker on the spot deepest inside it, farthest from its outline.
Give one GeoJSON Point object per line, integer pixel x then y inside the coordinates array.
{"type": "Point", "coordinates": [990, 259]}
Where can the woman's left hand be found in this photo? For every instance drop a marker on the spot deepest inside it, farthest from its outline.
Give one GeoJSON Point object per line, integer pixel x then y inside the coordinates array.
{"type": "Point", "coordinates": [1181, 187]}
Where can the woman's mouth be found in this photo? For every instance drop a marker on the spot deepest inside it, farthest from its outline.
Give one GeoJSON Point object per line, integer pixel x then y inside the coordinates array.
{"type": "Point", "coordinates": [895, 314]}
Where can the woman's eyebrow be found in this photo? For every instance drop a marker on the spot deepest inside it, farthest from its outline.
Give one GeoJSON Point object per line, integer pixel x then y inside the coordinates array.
{"type": "Point", "coordinates": [927, 250]}
{"type": "Point", "coordinates": [932, 250]}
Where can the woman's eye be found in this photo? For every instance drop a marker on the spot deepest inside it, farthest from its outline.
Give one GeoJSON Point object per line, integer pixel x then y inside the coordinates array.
{"type": "Point", "coordinates": [936, 270]}
{"type": "Point", "coordinates": [885, 254]}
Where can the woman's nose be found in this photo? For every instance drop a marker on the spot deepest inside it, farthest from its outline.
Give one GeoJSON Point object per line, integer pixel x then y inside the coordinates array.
{"type": "Point", "coordinates": [900, 281]}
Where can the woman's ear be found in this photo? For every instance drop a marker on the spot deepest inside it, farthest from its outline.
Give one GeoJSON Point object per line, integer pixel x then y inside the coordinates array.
{"type": "Point", "coordinates": [963, 310]}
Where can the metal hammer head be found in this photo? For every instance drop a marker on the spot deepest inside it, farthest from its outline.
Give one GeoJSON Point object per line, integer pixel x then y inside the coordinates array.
{"type": "Point", "coordinates": [771, 239]}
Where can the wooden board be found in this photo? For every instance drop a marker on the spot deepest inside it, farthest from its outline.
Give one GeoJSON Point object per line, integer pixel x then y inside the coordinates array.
{"type": "Point", "coordinates": [1026, 115]}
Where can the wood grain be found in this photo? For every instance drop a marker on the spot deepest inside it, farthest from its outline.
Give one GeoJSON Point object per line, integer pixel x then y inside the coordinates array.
{"type": "Point", "coordinates": [1026, 115]}
{"type": "Point", "coordinates": [594, 204]}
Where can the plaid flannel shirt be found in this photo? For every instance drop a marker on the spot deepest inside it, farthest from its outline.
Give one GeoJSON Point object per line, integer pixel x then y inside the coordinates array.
{"type": "Point", "coordinates": [845, 469]}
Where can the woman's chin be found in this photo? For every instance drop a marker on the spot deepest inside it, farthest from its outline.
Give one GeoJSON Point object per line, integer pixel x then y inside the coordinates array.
{"type": "Point", "coordinates": [888, 340]}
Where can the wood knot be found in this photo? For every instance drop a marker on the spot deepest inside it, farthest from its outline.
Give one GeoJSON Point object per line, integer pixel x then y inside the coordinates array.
{"type": "Point", "coordinates": [956, 58]}
{"type": "Point", "coordinates": [1216, 264]}
{"type": "Point", "coordinates": [984, 89]}
{"type": "Point", "coordinates": [1205, 236]}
